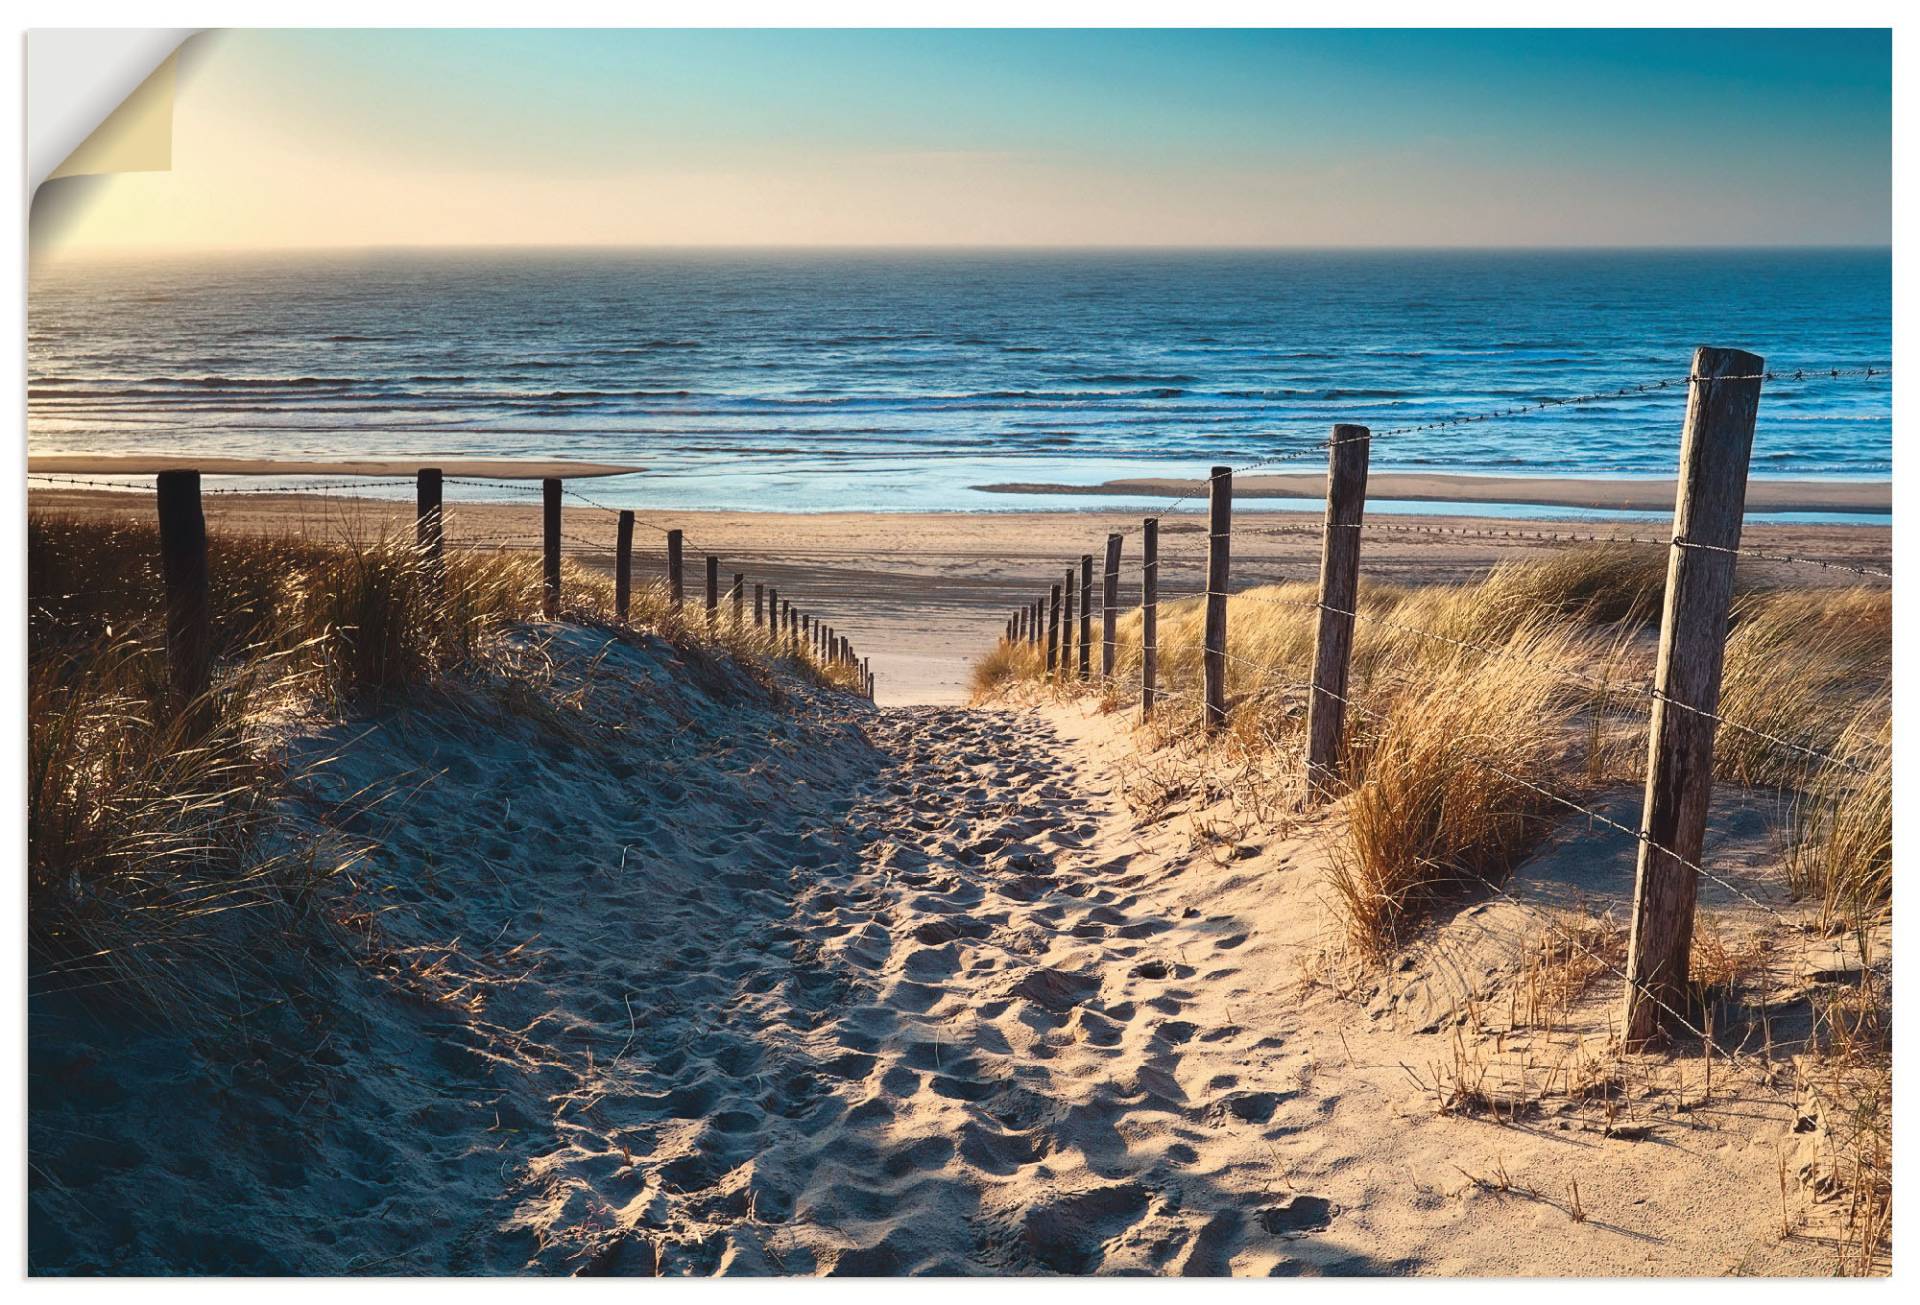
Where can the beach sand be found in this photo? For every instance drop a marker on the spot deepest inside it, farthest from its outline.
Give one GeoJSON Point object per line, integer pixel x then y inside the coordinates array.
{"type": "Point", "coordinates": [1637, 495]}
{"type": "Point", "coordinates": [923, 594]}
{"type": "Point", "coordinates": [698, 977]}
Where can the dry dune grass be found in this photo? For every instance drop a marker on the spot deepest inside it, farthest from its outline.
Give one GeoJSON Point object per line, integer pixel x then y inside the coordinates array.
{"type": "Point", "coordinates": [1441, 788]}
{"type": "Point", "coordinates": [1518, 672]}
{"type": "Point", "coordinates": [144, 820]}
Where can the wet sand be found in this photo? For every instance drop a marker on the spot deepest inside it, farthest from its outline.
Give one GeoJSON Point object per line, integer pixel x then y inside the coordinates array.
{"type": "Point", "coordinates": [1875, 496]}
{"type": "Point", "coordinates": [923, 594]}
{"type": "Point", "coordinates": [146, 464]}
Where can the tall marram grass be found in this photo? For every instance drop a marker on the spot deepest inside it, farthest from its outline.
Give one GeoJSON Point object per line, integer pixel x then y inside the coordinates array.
{"type": "Point", "coordinates": [144, 821]}
{"type": "Point", "coordinates": [1516, 672]}
{"type": "Point", "coordinates": [1445, 789]}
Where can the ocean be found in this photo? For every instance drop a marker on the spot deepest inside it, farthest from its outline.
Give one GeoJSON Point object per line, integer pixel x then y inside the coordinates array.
{"type": "Point", "coordinates": [908, 380]}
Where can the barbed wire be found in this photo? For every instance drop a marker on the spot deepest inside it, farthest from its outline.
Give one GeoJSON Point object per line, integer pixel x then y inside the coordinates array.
{"type": "Point", "coordinates": [1631, 390]}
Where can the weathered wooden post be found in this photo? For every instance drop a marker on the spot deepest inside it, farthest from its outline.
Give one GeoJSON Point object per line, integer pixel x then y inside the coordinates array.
{"type": "Point", "coordinates": [1109, 606]}
{"type": "Point", "coordinates": [183, 566]}
{"type": "Point", "coordinates": [1053, 630]}
{"type": "Point", "coordinates": [773, 612]}
{"type": "Point", "coordinates": [739, 601]}
{"type": "Point", "coordinates": [759, 604]}
{"type": "Point", "coordinates": [1149, 611]}
{"type": "Point", "coordinates": [1219, 532]}
{"type": "Point", "coordinates": [623, 567]}
{"type": "Point", "coordinates": [676, 574]}
{"type": "Point", "coordinates": [1086, 616]}
{"type": "Point", "coordinates": [1066, 631]}
{"type": "Point", "coordinates": [713, 592]}
{"type": "Point", "coordinates": [429, 522]}
{"type": "Point", "coordinates": [1339, 592]}
{"type": "Point", "coordinates": [550, 545]}
{"type": "Point", "coordinates": [1723, 399]}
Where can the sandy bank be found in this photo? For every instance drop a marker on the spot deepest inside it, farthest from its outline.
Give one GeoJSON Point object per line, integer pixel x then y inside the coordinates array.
{"type": "Point", "coordinates": [1529, 491]}
{"type": "Point", "coordinates": [145, 464]}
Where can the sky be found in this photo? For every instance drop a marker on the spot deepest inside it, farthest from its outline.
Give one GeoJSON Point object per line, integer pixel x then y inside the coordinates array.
{"type": "Point", "coordinates": [291, 139]}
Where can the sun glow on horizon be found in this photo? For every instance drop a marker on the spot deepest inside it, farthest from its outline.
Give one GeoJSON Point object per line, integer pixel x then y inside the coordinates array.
{"type": "Point", "coordinates": [368, 139]}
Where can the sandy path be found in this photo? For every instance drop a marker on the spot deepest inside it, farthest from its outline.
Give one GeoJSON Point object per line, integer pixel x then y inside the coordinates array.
{"type": "Point", "coordinates": [666, 971]}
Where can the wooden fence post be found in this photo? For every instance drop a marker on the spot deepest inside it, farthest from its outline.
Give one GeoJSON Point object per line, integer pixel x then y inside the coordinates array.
{"type": "Point", "coordinates": [713, 591]}
{"type": "Point", "coordinates": [1219, 532]}
{"type": "Point", "coordinates": [676, 574]}
{"type": "Point", "coordinates": [759, 604]}
{"type": "Point", "coordinates": [739, 600]}
{"type": "Point", "coordinates": [550, 545]}
{"type": "Point", "coordinates": [773, 612]}
{"type": "Point", "coordinates": [183, 565]}
{"type": "Point", "coordinates": [429, 522]}
{"type": "Point", "coordinates": [623, 567]}
{"type": "Point", "coordinates": [1066, 631]}
{"type": "Point", "coordinates": [1109, 606]}
{"type": "Point", "coordinates": [1149, 611]}
{"type": "Point", "coordinates": [1723, 399]}
{"type": "Point", "coordinates": [1339, 592]}
{"type": "Point", "coordinates": [1053, 630]}
{"type": "Point", "coordinates": [1086, 616]}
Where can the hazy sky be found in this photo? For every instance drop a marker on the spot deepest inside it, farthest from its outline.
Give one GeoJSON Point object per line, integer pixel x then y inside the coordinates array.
{"type": "Point", "coordinates": [1012, 138]}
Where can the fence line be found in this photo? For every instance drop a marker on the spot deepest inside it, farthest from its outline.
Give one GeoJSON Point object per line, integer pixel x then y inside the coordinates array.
{"type": "Point", "coordinates": [1723, 389]}
{"type": "Point", "coordinates": [183, 563]}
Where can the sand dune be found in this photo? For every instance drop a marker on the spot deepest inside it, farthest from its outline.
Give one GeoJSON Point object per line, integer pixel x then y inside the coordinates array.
{"type": "Point", "coordinates": [664, 970]}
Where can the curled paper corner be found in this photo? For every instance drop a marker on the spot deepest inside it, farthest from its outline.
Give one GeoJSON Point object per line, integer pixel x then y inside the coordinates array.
{"type": "Point", "coordinates": [100, 101]}
{"type": "Point", "coordinates": [136, 137]}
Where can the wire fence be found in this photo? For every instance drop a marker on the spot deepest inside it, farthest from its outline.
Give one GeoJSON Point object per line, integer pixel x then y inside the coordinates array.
{"type": "Point", "coordinates": [786, 622]}
{"type": "Point", "coordinates": [1650, 993]}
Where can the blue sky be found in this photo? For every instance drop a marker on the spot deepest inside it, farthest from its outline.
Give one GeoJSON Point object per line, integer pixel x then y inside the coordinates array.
{"type": "Point", "coordinates": [1026, 137]}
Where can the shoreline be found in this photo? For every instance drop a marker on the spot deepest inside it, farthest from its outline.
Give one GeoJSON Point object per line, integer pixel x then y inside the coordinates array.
{"type": "Point", "coordinates": [1574, 492]}
{"type": "Point", "coordinates": [147, 464]}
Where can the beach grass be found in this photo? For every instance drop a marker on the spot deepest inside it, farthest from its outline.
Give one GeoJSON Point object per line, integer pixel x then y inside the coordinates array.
{"type": "Point", "coordinates": [1537, 669]}
{"type": "Point", "coordinates": [146, 817]}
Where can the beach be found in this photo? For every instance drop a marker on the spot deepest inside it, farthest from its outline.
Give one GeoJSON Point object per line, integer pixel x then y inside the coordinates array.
{"type": "Point", "coordinates": [924, 594]}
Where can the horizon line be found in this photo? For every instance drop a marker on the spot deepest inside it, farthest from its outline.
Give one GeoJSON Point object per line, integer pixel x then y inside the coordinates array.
{"type": "Point", "coordinates": [930, 247]}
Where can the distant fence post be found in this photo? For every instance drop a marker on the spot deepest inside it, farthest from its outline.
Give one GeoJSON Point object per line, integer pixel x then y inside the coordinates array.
{"type": "Point", "coordinates": [1723, 400]}
{"type": "Point", "coordinates": [759, 604]}
{"type": "Point", "coordinates": [1053, 630]}
{"type": "Point", "coordinates": [429, 530]}
{"type": "Point", "coordinates": [676, 574]}
{"type": "Point", "coordinates": [623, 567]}
{"type": "Point", "coordinates": [1339, 592]}
{"type": "Point", "coordinates": [713, 591]}
{"type": "Point", "coordinates": [1219, 532]}
{"type": "Point", "coordinates": [739, 600]}
{"type": "Point", "coordinates": [183, 565]}
{"type": "Point", "coordinates": [1149, 611]}
{"type": "Point", "coordinates": [1086, 616]}
{"type": "Point", "coordinates": [550, 545]}
{"type": "Point", "coordinates": [1109, 604]}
